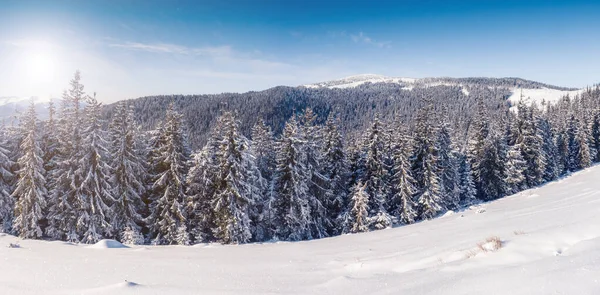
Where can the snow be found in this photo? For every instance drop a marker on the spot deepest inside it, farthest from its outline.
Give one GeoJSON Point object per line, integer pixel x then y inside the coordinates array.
{"type": "Point", "coordinates": [107, 244]}
{"type": "Point", "coordinates": [354, 81]}
{"type": "Point", "coordinates": [550, 244]}
{"type": "Point", "coordinates": [539, 95]}
{"type": "Point", "coordinates": [529, 94]}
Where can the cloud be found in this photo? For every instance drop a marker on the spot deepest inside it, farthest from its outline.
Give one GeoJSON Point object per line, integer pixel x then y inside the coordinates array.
{"type": "Point", "coordinates": [362, 38]}
{"type": "Point", "coordinates": [174, 48]}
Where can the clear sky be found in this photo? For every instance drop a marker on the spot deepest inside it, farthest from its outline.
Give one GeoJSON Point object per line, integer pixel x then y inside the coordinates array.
{"type": "Point", "coordinates": [128, 49]}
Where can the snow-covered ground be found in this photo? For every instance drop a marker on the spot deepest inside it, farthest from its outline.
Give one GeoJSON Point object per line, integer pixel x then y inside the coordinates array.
{"type": "Point", "coordinates": [539, 95]}
{"type": "Point", "coordinates": [530, 95]}
{"type": "Point", "coordinates": [550, 244]}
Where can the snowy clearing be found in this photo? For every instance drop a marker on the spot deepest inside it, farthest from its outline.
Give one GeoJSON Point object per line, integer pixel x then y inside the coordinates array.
{"type": "Point", "coordinates": [549, 244]}
{"type": "Point", "coordinates": [539, 95]}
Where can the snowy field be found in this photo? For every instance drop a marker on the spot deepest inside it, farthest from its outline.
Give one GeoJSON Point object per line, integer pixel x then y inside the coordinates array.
{"type": "Point", "coordinates": [550, 244]}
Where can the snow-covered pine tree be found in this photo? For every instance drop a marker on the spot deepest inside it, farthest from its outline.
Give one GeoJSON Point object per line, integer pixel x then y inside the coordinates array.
{"type": "Point", "coordinates": [549, 149]}
{"type": "Point", "coordinates": [375, 176]}
{"type": "Point", "coordinates": [318, 184]}
{"type": "Point", "coordinates": [200, 188]}
{"type": "Point", "coordinates": [65, 198]}
{"type": "Point", "coordinates": [579, 153]}
{"type": "Point", "coordinates": [131, 236]}
{"type": "Point", "coordinates": [531, 142]}
{"type": "Point", "coordinates": [357, 217]}
{"type": "Point", "coordinates": [447, 165]}
{"type": "Point", "coordinates": [425, 165]}
{"type": "Point", "coordinates": [491, 168]}
{"type": "Point", "coordinates": [291, 194]}
{"type": "Point", "coordinates": [477, 140]}
{"type": "Point", "coordinates": [335, 169]}
{"type": "Point", "coordinates": [403, 205]}
{"type": "Point", "coordinates": [50, 145]}
{"type": "Point", "coordinates": [468, 193]}
{"type": "Point", "coordinates": [128, 174]}
{"type": "Point", "coordinates": [233, 193]}
{"type": "Point", "coordinates": [30, 191]}
{"type": "Point", "coordinates": [95, 214]}
{"type": "Point", "coordinates": [263, 152]}
{"type": "Point", "coordinates": [515, 168]}
{"type": "Point", "coordinates": [562, 146]}
{"type": "Point", "coordinates": [201, 184]}
{"type": "Point", "coordinates": [6, 179]}
{"type": "Point", "coordinates": [262, 148]}
{"type": "Point", "coordinates": [595, 135]}
{"type": "Point", "coordinates": [167, 211]}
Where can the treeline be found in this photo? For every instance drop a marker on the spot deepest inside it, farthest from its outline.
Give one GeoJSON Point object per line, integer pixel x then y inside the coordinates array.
{"type": "Point", "coordinates": [77, 178]}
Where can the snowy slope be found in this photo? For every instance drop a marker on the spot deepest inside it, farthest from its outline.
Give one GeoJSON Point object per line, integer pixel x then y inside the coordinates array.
{"type": "Point", "coordinates": [541, 92]}
{"type": "Point", "coordinates": [550, 245]}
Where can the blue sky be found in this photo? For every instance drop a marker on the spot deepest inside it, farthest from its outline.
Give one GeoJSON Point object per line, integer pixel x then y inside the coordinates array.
{"type": "Point", "coordinates": [127, 49]}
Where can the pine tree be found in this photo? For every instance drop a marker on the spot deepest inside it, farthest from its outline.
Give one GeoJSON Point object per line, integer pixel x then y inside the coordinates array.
{"type": "Point", "coordinates": [128, 173]}
{"type": "Point", "coordinates": [291, 201]}
{"type": "Point", "coordinates": [30, 191]}
{"type": "Point", "coordinates": [94, 215]}
{"type": "Point", "coordinates": [130, 236]}
{"type": "Point", "coordinates": [447, 166]}
{"type": "Point", "coordinates": [467, 190]}
{"type": "Point", "coordinates": [201, 185]}
{"type": "Point", "coordinates": [515, 168]}
{"type": "Point", "coordinates": [167, 210]}
{"type": "Point", "coordinates": [579, 155]}
{"type": "Point", "coordinates": [357, 219]}
{"type": "Point", "coordinates": [595, 134]}
{"type": "Point", "coordinates": [262, 148]}
{"type": "Point", "coordinates": [375, 176]}
{"type": "Point", "coordinates": [549, 150]}
{"type": "Point", "coordinates": [318, 184]}
{"type": "Point", "coordinates": [562, 145]}
{"type": "Point", "coordinates": [403, 204]}
{"type": "Point", "coordinates": [6, 178]}
{"type": "Point", "coordinates": [425, 166]}
{"type": "Point", "coordinates": [66, 199]}
{"type": "Point", "coordinates": [335, 169]}
{"type": "Point", "coordinates": [491, 169]}
{"type": "Point", "coordinates": [531, 142]}
{"type": "Point", "coordinates": [233, 194]}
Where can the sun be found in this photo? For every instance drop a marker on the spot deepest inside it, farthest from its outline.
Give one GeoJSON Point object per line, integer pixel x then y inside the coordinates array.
{"type": "Point", "coordinates": [39, 66]}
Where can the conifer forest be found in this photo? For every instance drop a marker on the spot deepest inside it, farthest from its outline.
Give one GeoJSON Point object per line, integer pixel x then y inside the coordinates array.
{"type": "Point", "coordinates": [238, 168]}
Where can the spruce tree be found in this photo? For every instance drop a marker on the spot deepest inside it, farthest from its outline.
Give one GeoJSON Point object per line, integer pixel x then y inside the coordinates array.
{"type": "Point", "coordinates": [375, 177]}
{"type": "Point", "coordinates": [447, 166]}
{"type": "Point", "coordinates": [357, 219]}
{"type": "Point", "coordinates": [65, 198]}
{"type": "Point", "coordinates": [335, 169]}
{"type": "Point", "coordinates": [515, 168]}
{"type": "Point", "coordinates": [128, 174]}
{"type": "Point", "coordinates": [467, 190]}
{"type": "Point", "coordinates": [403, 203]}
{"type": "Point", "coordinates": [94, 214]}
{"type": "Point", "coordinates": [233, 193]}
{"type": "Point", "coordinates": [30, 191]}
{"type": "Point", "coordinates": [425, 165]}
{"type": "Point", "coordinates": [167, 216]}
{"type": "Point", "coordinates": [6, 178]}
{"type": "Point", "coordinates": [318, 184]}
{"type": "Point", "coordinates": [291, 207]}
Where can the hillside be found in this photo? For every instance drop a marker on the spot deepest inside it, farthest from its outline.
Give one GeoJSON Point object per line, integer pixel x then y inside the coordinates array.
{"type": "Point", "coordinates": [550, 245]}
{"type": "Point", "coordinates": [355, 99]}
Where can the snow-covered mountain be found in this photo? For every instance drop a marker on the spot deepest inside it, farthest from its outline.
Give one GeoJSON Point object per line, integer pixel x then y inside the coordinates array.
{"type": "Point", "coordinates": [12, 106]}
{"type": "Point", "coordinates": [530, 90]}
{"type": "Point", "coordinates": [541, 241]}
